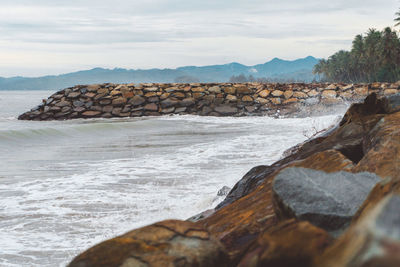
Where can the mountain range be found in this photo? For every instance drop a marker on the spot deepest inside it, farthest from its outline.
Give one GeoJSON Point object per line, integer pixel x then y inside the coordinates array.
{"type": "Point", "coordinates": [276, 69]}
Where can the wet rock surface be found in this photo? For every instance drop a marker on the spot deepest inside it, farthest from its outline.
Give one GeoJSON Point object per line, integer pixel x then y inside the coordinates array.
{"type": "Point", "coordinates": [290, 243]}
{"type": "Point", "coordinates": [167, 243]}
{"type": "Point", "coordinates": [347, 138]}
{"type": "Point", "coordinates": [327, 200]}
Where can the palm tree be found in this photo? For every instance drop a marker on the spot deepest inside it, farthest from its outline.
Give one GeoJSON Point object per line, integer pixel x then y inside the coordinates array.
{"type": "Point", "coordinates": [397, 19]}
{"type": "Point", "coordinates": [374, 56]}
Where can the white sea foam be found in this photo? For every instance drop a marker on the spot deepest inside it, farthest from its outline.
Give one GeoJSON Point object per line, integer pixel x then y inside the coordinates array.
{"type": "Point", "coordinates": [66, 186]}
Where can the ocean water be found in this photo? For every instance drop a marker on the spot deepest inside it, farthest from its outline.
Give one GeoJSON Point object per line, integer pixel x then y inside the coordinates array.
{"type": "Point", "coordinates": [67, 185]}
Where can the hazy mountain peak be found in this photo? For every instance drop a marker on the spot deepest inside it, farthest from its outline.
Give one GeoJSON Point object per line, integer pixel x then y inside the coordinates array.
{"type": "Point", "coordinates": [300, 69]}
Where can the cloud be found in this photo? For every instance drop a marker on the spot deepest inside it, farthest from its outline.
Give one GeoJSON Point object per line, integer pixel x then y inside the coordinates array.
{"type": "Point", "coordinates": [154, 33]}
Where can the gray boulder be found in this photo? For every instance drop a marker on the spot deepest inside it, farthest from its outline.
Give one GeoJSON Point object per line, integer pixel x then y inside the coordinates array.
{"type": "Point", "coordinates": [327, 200]}
{"type": "Point", "coordinates": [226, 110]}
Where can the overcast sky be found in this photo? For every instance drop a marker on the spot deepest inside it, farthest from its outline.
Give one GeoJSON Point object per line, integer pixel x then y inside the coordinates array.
{"type": "Point", "coordinates": [39, 37]}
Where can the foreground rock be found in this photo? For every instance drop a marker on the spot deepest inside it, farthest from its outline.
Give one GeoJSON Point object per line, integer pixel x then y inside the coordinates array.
{"type": "Point", "coordinates": [248, 209]}
{"type": "Point", "coordinates": [374, 241]}
{"type": "Point", "coordinates": [369, 149]}
{"type": "Point", "coordinates": [327, 200]}
{"type": "Point", "coordinates": [206, 99]}
{"type": "Point", "coordinates": [167, 243]}
{"type": "Point", "coordinates": [290, 243]}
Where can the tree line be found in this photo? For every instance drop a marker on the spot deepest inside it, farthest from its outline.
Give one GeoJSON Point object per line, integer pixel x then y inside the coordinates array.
{"type": "Point", "coordinates": [374, 57]}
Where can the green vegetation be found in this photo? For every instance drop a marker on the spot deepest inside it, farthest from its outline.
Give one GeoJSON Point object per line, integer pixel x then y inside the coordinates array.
{"type": "Point", "coordinates": [374, 57]}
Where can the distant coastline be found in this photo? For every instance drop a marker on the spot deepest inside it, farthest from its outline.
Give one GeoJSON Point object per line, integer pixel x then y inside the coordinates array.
{"type": "Point", "coordinates": [299, 70]}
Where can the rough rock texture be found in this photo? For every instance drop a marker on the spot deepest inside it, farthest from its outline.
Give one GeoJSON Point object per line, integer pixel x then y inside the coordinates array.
{"type": "Point", "coordinates": [382, 148]}
{"type": "Point", "coordinates": [290, 243]}
{"type": "Point", "coordinates": [327, 200]}
{"type": "Point", "coordinates": [248, 208]}
{"type": "Point", "coordinates": [223, 99]}
{"type": "Point", "coordinates": [373, 241]}
{"type": "Point", "coordinates": [348, 137]}
{"type": "Point", "coordinates": [380, 191]}
{"type": "Point", "coordinates": [167, 243]}
{"type": "Point", "coordinates": [237, 224]}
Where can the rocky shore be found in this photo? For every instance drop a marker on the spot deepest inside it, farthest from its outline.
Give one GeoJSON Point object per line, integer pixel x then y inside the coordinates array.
{"type": "Point", "coordinates": [222, 99]}
{"type": "Point", "coordinates": [332, 201]}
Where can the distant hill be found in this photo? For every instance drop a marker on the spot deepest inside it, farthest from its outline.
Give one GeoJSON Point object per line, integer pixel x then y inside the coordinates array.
{"type": "Point", "coordinates": [299, 70]}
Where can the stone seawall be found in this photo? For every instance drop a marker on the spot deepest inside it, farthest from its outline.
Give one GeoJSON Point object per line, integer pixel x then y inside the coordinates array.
{"type": "Point", "coordinates": [222, 99]}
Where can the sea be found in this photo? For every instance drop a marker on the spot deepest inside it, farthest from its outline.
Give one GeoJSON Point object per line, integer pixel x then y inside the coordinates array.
{"type": "Point", "coordinates": [68, 185]}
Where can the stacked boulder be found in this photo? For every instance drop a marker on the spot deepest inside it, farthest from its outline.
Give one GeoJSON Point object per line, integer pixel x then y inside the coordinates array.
{"type": "Point", "coordinates": [207, 99]}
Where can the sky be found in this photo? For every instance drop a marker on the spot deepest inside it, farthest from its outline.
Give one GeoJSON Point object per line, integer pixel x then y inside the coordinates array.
{"type": "Point", "coordinates": [46, 37]}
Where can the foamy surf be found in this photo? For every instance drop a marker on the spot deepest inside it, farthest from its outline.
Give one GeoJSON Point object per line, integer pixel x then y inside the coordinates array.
{"type": "Point", "coordinates": [69, 185]}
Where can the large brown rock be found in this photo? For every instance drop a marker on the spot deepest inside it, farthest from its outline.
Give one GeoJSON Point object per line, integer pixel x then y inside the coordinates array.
{"type": "Point", "coordinates": [167, 243]}
{"type": "Point", "coordinates": [249, 208]}
{"type": "Point", "coordinates": [120, 101]}
{"type": "Point", "coordinates": [290, 243]}
{"type": "Point", "coordinates": [346, 138]}
{"type": "Point", "coordinates": [91, 113]}
{"type": "Point", "coordinates": [382, 148]}
{"type": "Point", "coordinates": [242, 89]}
{"type": "Point", "coordinates": [329, 94]}
{"type": "Point", "coordinates": [226, 110]}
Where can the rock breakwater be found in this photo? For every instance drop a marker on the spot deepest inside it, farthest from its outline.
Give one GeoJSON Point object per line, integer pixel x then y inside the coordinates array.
{"type": "Point", "coordinates": [252, 227]}
{"type": "Point", "coordinates": [222, 99]}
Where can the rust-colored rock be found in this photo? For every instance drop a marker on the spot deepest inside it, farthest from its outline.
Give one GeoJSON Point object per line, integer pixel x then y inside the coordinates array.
{"type": "Point", "coordinates": [276, 100]}
{"type": "Point", "coordinates": [290, 243]}
{"type": "Point", "coordinates": [115, 92]}
{"type": "Point", "coordinates": [247, 98]}
{"type": "Point", "coordinates": [277, 93]}
{"type": "Point", "coordinates": [151, 107]}
{"type": "Point", "coordinates": [240, 89]}
{"type": "Point", "coordinates": [128, 94]}
{"type": "Point", "coordinates": [346, 95]}
{"type": "Point", "coordinates": [93, 87]}
{"type": "Point", "coordinates": [150, 94]}
{"type": "Point", "coordinates": [120, 101]}
{"type": "Point", "coordinates": [230, 90]}
{"type": "Point", "coordinates": [290, 100]}
{"type": "Point", "coordinates": [91, 113]}
{"type": "Point", "coordinates": [231, 98]}
{"type": "Point", "coordinates": [264, 93]}
{"type": "Point", "coordinates": [167, 243]}
{"type": "Point", "coordinates": [288, 94]}
{"type": "Point", "coordinates": [390, 91]}
{"type": "Point", "coordinates": [198, 89]}
{"type": "Point", "coordinates": [362, 91]}
{"type": "Point", "coordinates": [313, 93]}
{"type": "Point", "coordinates": [299, 94]}
{"type": "Point", "coordinates": [262, 101]}
{"type": "Point", "coordinates": [382, 148]}
{"type": "Point", "coordinates": [329, 94]}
